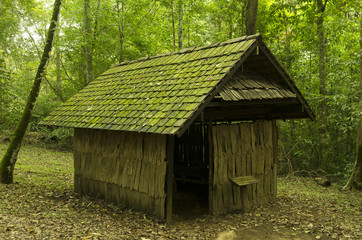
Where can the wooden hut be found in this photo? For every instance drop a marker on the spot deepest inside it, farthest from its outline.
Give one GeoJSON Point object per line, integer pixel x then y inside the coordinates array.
{"type": "Point", "coordinates": [204, 115]}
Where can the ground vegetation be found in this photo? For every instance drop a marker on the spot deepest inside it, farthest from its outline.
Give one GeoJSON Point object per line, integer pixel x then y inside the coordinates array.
{"type": "Point", "coordinates": [317, 42]}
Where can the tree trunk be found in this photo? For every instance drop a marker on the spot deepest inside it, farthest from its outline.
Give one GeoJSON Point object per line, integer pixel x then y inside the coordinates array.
{"type": "Point", "coordinates": [120, 14]}
{"type": "Point", "coordinates": [322, 87]}
{"type": "Point", "coordinates": [88, 55]}
{"type": "Point", "coordinates": [9, 159]}
{"type": "Point", "coordinates": [173, 27]}
{"type": "Point", "coordinates": [242, 20]}
{"type": "Point", "coordinates": [355, 181]}
{"type": "Point", "coordinates": [58, 85]}
{"type": "Point", "coordinates": [95, 29]}
{"type": "Point", "coordinates": [252, 13]}
{"type": "Point", "coordinates": [288, 60]}
{"type": "Point", "coordinates": [180, 25]}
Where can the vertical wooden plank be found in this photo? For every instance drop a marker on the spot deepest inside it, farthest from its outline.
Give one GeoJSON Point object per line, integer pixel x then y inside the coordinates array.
{"type": "Point", "coordinates": [253, 139]}
{"type": "Point", "coordinates": [143, 182]}
{"type": "Point", "coordinates": [249, 159]}
{"type": "Point", "coordinates": [262, 154]}
{"type": "Point", "coordinates": [239, 149]}
{"type": "Point", "coordinates": [275, 159]}
{"type": "Point", "coordinates": [139, 160]}
{"type": "Point", "coordinates": [169, 181]}
{"type": "Point", "coordinates": [151, 180]}
{"type": "Point", "coordinates": [159, 174]}
{"type": "Point", "coordinates": [215, 190]}
{"type": "Point", "coordinates": [218, 171]}
{"type": "Point", "coordinates": [161, 157]}
{"type": "Point", "coordinates": [230, 159]}
{"type": "Point", "coordinates": [261, 163]}
{"type": "Point", "coordinates": [268, 161]}
{"type": "Point", "coordinates": [215, 172]}
{"type": "Point", "coordinates": [235, 152]}
{"type": "Point", "coordinates": [211, 167]}
{"type": "Point", "coordinates": [226, 162]}
{"type": "Point", "coordinates": [246, 149]}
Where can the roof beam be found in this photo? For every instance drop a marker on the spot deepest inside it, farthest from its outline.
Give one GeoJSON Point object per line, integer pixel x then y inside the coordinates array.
{"type": "Point", "coordinates": [286, 77]}
{"type": "Point", "coordinates": [287, 101]}
{"type": "Point", "coordinates": [262, 112]}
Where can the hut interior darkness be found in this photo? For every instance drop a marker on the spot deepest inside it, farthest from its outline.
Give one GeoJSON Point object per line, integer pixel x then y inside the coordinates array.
{"type": "Point", "coordinates": [199, 121]}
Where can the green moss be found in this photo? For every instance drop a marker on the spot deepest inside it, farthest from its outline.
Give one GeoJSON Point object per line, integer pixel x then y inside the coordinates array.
{"type": "Point", "coordinates": [162, 84]}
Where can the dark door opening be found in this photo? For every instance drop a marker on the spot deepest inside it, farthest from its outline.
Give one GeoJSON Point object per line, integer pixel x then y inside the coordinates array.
{"type": "Point", "coordinates": [191, 171]}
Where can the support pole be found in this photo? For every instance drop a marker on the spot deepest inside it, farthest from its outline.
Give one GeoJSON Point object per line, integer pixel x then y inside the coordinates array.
{"type": "Point", "coordinates": [169, 178]}
{"type": "Point", "coordinates": [275, 160]}
{"type": "Point", "coordinates": [211, 167]}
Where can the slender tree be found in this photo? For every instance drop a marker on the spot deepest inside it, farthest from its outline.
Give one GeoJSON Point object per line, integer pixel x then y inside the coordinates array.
{"type": "Point", "coordinates": [251, 17]}
{"type": "Point", "coordinates": [120, 15]}
{"type": "Point", "coordinates": [8, 161]}
{"type": "Point", "coordinates": [173, 27]}
{"type": "Point", "coordinates": [355, 181]}
{"type": "Point", "coordinates": [58, 85]}
{"type": "Point", "coordinates": [4, 92]}
{"type": "Point", "coordinates": [321, 6]}
{"type": "Point", "coordinates": [180, 24]}
{"type": "Point", "coordinates": [88, 51]}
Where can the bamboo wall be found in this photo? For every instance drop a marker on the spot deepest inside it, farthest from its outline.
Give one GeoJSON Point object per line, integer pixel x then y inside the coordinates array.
{"type": "Point", "coordinates": [122, 167]}
{"type": "Point", "coordinates": [242, 150]}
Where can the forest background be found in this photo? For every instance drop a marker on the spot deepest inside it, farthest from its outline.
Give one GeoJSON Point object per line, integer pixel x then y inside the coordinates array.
{"type": "Point", "coordinates": [92, 35]}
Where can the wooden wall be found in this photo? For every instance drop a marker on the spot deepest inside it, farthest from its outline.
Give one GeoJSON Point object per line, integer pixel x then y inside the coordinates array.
{"type": "Point", "coordinates": [122, 167]}
{"type": "Point", "coordinates": [242, 150]}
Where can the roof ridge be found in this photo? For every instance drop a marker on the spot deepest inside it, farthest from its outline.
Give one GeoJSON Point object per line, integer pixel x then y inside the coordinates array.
{"type": "Point", "coordinates": [189, 49]}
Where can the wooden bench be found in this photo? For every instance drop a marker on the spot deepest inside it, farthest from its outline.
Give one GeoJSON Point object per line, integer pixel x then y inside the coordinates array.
{"type": "Point", "coordinates": [243, 180]}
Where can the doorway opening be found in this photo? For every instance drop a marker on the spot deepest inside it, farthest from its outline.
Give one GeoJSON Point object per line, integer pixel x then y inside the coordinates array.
{"type": "Point", "coordinates": [191, 172]}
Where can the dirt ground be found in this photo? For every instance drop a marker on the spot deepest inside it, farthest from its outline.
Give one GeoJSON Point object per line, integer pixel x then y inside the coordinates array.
{"type": "Point", "coordinates": [63, 215]}
{"type": "Point", "coordinates": [292, 217]}
{"type": "Point", "coordinates": [42, 205]}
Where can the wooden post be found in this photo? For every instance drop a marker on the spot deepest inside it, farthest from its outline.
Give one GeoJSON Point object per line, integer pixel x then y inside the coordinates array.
{"type": "Point", "coordinates": [275, 159]}
{"type": "Point", "coordinates": [211, 167]}
{"type": "Point", "coordinates": [245, 204]}
{"type": "Point", "coordinates": [169, 178]}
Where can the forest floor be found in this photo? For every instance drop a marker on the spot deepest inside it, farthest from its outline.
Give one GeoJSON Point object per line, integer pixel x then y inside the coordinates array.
{"type": "Point", "coordinates": [42, 205]}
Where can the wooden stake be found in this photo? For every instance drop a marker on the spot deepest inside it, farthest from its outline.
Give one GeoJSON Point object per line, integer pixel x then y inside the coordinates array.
{"type": "Point", "coordinates": [169, 178]}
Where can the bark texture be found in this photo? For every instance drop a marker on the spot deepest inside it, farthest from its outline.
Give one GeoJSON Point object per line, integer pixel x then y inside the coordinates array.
{"type": "Point", "coordinates": [355, 181]}
{"type": "Point", "coordinates": [9, 159]}
{"type": "Point", "coordinates": [120, 14]}
{"type": "Point", "coordinates": [173, 27]}
{"type": "Point", "coordinates": [252, 13]}
{"type": "Point", "coordinates": [321, 6]}
{"type": "Point", "coordinates": [88, 44]}
{"type": "Point", "coordinates": [180, 25]}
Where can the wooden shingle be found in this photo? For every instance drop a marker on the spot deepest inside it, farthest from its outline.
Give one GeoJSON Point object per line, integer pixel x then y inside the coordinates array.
{"type": "Point", "coordinates": [164, 93]}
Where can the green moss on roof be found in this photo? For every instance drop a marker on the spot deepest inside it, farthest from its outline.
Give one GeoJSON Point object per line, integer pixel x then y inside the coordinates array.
{"type": "Point", "coordinates": [153, 94]}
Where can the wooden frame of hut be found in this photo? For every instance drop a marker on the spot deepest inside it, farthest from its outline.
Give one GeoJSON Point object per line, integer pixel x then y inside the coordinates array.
{"type": "Point", "coordinates": [205, 115]}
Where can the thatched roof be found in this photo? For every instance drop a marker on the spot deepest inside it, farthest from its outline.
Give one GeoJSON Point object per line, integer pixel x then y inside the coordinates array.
{"type": "Point", "coordinates": [165, 93]}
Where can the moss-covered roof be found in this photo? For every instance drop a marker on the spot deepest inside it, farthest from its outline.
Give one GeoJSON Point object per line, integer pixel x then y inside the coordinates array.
{"type": "Point", "coordinates": [160, 94]}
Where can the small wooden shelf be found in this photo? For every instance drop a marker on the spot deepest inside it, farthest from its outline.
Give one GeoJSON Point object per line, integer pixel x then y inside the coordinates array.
{"type": "Point", "coordinates": [244, 180]}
